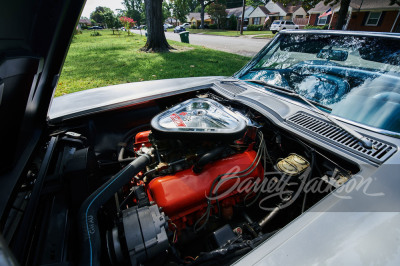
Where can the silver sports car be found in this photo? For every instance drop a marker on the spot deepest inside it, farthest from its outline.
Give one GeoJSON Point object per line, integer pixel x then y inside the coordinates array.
{"type": "Point", "coordinates": [293, 160]}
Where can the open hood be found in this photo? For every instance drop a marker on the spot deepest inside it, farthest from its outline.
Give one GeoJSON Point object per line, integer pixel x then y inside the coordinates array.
{"type": "Point", "coordinates": [34, 40]}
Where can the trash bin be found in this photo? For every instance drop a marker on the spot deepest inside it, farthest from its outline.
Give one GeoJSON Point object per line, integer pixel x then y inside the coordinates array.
{"type": "Point", "coordinates": [184, 36]}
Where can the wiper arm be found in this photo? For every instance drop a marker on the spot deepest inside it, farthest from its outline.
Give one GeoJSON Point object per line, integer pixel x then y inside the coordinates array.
{"type": "Point", "coordinates": [286, 91]}
{"type": "Point", "coordinates": [363, 140]}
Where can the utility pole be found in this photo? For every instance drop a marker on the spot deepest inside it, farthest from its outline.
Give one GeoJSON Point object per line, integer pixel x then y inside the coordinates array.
{"type": "Point", "coordinates": [241, 23]}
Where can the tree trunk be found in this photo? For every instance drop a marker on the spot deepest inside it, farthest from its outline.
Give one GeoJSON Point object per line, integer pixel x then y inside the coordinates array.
{"type": "Point", "coordinates": [203, 7]}
{"type": "Point", "coordinates": [344, 7]}
{"type": "Point", "coordinates": [156, 41]}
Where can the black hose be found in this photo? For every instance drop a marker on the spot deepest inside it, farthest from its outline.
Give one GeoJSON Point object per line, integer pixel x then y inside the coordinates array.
{"type": "Point", "coordinates": [88, 225]}
{"type": "Point", "coordinates": [237, 249]}
{"type": "Point", "coordinates": [207, 158]}
{"type": "Point", "coordinates": [126, 138]}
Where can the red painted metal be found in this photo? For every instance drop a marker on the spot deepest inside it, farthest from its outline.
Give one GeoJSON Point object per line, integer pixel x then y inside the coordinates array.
{"type": "Point", "coordinates": [184, 193]}
{"type": "Point", "coordinates": [142, 138]}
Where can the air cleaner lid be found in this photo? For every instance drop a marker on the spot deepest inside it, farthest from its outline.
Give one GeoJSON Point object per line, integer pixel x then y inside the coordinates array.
{"type": "Point", "coordinates": [199, 117]}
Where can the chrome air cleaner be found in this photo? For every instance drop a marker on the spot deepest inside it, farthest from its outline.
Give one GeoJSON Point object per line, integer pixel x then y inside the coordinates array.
{"type": "Point", "coordinates": [199, 118]}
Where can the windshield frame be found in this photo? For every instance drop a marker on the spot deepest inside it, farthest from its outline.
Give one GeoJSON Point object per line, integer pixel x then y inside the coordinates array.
{"type": "Point", "coordinates": [244, 70]}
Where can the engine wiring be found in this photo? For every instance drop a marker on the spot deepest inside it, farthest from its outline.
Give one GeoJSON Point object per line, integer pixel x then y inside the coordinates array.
{"type": "Point", "coordinates": [240, 174]}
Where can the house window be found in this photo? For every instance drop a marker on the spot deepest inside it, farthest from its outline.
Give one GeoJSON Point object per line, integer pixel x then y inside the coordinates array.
{"type": "Point", "coordinates": [373, 18]}
{"type": "Point", "coordinates": [256, 21]}
{"type": "Point", "coordinates": [299, 16]}
{"type": "Point", "coordinates": [323, 20]}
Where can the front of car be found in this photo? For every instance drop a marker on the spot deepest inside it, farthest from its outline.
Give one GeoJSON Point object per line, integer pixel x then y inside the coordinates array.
{"type": "Point", "coordinates": [251, 169]}
{"type": "Point", "coordinates": [276, 26]}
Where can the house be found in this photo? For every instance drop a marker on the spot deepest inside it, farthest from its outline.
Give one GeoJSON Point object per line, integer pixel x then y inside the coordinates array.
{"type": "Point", "coordinates": [237, 12]}
{"type": "Point", "coordinates": [288, 12]}
{"type": "Point", "coordinates": [195, 19]}
{"type": "Point", "coordinates": [173, 21]}
{"type": "Point", "coordinates": [258, 16]}
{"type": "Point", "coordinates": [276, 11]}
{"type": "Point", "coordinates": [84, 22]}
{"type": "Point", "coordinates": [363, 15]}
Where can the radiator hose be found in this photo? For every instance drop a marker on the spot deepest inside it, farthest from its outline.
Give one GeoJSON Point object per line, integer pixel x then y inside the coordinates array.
{"type": "Point", "coordinates": [208, 158]}
{"type": "Point", "coordinates": [88, 224]}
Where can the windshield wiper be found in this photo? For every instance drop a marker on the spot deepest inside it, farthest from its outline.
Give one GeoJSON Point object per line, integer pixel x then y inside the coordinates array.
{"type": "Point", "coordinates": [363, 140]}
{"type": "Point", "coordinates": [286, 91]}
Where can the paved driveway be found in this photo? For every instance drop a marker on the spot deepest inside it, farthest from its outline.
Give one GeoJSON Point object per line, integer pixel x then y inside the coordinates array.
{"type": "Point", "coordinates": [243, 45]}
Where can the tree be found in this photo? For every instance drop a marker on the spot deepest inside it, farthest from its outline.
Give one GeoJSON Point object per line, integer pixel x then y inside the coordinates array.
{"type": "Point", "coordinates": [232, 22]}
{"type": "Point", "coordinates": [256, 3]}
{"type": "Point", "coordinates": [166, 10]}
{"type": "Point", "coordinates": [306, 4]}
{"type": "Point", "coordinates": [180, 8]}
{"type": "Point", "coordinates": [127, 22]}
{"type": "Point", "coordinates": [103, 15]}
{"type": "Point", "coordinates": [110, 19]}
{"type": "Point", "coordinates": [192, 5]}
{"type": "Point", "coordinates": [203, 5]}
{"type": "Point", "coordinates": [217, 12]}
{"type": "Point", "coordinates": [135, 10]}
{"type": "Point", "coordinates": [156, 41]}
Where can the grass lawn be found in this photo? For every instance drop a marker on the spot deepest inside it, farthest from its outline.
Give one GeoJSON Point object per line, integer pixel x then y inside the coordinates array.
{"type": "Point", "coordinates": [111, 59]}
{"type": "Point", "coordinates": [227, 32]}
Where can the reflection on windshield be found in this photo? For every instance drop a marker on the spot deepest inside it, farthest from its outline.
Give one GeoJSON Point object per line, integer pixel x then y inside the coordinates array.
{"type": "Point", "coordinates": [357, 77]}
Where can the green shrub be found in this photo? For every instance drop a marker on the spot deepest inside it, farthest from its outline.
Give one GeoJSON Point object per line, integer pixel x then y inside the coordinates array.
{"type": "Point", "coordinates": [254, 27]}
{"type": "Point", "coordinates": [193, 26]}
{"type": "Point", "coordinates": [84, 27]}
{"type": "Point", "coordinates": [314, 27]}
{"type": "Point", "coordinates": [95, 33]}
{"type": "Point", "coordinates": [213, 26]}
{"type": "Point", "coordinates": [232, 22]}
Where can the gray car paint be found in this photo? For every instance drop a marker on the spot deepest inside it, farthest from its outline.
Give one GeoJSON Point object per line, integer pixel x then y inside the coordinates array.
{"type": "Point", "coordinates": [352, 231]}
{"type": "Point", "coordinates": [363, 230]}
{"type": "Point", "coordinates": [111, 97]}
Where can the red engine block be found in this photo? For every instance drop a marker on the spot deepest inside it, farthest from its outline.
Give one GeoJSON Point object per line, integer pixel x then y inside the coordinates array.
{"type": "Point", "coordinates": [183, 196]}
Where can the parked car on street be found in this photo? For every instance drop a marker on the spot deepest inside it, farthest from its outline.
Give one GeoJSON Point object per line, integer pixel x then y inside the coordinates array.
{"type": "Point", "coordinates": [186, 25]}
{"type": "Point", "coordinates": [179, 29]}
{"type": "Point", "coordinates": [279, 25]}
{"type": "Point", "coordinates": [95, 28]}
{"type": "Point", "coordinates": [292, 160]}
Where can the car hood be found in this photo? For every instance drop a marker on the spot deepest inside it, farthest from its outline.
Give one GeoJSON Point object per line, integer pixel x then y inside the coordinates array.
{"type": "Point", "coordinates": [112, 97]}
{"type": "Point", "coordinates": [34, 39]}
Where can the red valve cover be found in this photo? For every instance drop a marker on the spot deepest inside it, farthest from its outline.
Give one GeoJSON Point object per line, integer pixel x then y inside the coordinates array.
{"type": "Point", "coordinates": [185, 192]}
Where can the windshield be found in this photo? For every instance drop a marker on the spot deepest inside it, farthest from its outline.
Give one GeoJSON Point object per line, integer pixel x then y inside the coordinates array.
{"type": "Point", "coordinates": [355, 77]}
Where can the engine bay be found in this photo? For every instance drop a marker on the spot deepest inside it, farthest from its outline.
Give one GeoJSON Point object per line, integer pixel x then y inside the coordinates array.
{"type": "Point", "coordinates": [185, 180]}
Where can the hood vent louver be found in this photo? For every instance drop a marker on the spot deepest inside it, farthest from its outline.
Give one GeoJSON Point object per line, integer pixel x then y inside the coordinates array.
{"type": "Point", "coordinates": [339, 137]}
{"type": "Point", "coordinates": [232, 88]}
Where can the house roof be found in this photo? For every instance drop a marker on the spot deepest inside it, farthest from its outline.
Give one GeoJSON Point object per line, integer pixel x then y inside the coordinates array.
{"type": "Point", "coordinates": [372, 4]}
{"type": "Point", "coordinates": [289, 9]}
{"type": "Point", "coordinates": [85, 21]}
{"type": "Point", "coordinates": [256, 12]}
{"type": "Point", "coordinates": [357, 5]}
{"type": "Point", "coordinates": [264, 9]}
{"type": "Point", "coordinates": [196, 16]}
{"type": "Point", "coordinates": [172, 20]}
{"type": "Point", "coordinates": [236, 11]}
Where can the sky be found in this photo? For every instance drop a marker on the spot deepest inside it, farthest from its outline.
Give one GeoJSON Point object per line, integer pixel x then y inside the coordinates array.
{"type": "Point", "coordinates": [92, 4]}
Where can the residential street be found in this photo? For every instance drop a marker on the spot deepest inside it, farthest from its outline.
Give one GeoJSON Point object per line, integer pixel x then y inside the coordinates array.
{"type": "Point", "coordinates": [243, 45]}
